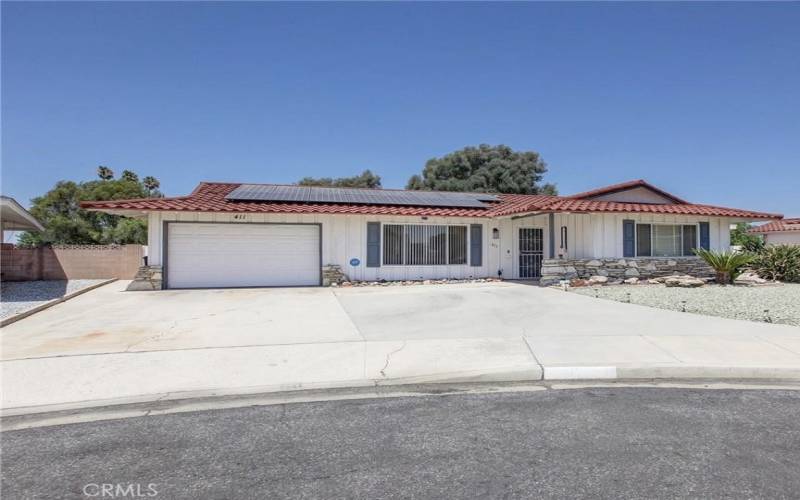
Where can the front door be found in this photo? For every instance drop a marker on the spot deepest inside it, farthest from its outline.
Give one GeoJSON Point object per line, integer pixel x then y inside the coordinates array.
{"type": "Point", "coordinates": [531, 249]}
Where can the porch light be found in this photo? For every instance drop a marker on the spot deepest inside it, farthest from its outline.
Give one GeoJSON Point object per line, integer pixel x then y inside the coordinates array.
{"type": "Point", "coordinates": [495, 234]}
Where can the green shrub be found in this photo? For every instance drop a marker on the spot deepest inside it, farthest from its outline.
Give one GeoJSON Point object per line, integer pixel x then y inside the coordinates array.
{"type": "Point", "coordinates": [727, 265]}
{"type": "Point", "coordinates": [749, 242]}
{"type": "Point", "coordinates": [778, 262]}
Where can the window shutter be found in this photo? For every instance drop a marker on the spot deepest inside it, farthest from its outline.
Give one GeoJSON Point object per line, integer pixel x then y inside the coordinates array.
{"type": "Point", "coordinates": [628, 238]}
{"type": "Point", "coordinates": [373, 244]}
{"type": "Point", "coordinates": [475, 245]}
{"type": "Point", "coordinates": [705, 236]}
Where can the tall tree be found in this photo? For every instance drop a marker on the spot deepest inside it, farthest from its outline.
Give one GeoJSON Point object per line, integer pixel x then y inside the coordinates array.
{"type": "Point", "coordinates": [105, 173]}
{"type": "Point", "coordinates": [65, 222]}
{"type": "Point", "coordinates": [493, 169]}
{"type": "Point", "coordinates": [366, 180]}
{"type": "Point", "coordinates": [151, 183]}
{"type": "Point", "coordinates": [129, 176]}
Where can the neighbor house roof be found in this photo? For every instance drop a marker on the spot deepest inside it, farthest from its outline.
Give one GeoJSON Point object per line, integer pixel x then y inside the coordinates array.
{"type": "Point", "coordinates": [778, 226]}
{"type": "Point", "coordinates": [211, 197]}
{"type": "Point", "coordinates": [15, 218]}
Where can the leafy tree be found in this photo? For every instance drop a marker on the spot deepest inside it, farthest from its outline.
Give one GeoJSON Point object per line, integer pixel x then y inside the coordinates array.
{"type": "Point", "coordinates": [494, 169]}
{"type": "Point", "coordinates": [366, 180]}
{"type": "Point", "coordinates": [748, 242]}
{"type": "Point", "coordinates": [65, 222]}
{"type": "Point", "coordinates": [105, 173]}
{"type": "Point", "coordinates": [127, 175]}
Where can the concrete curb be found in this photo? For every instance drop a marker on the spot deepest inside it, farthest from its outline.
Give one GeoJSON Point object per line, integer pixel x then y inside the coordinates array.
{"type": "Point", "coordinates": [213, 400]}
{"type": "Point", "coordinates": [51, 303]}
{"type": "Point", "coordinates": [510, 375]}
{"type": "Point", "coordinates": [666, 372]}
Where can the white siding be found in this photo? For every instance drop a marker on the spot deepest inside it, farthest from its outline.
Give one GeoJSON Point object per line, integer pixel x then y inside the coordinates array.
{"type": "Point", "coordinates": [600, 235]}
{"type": "Point", "coordinates": [343, 239]}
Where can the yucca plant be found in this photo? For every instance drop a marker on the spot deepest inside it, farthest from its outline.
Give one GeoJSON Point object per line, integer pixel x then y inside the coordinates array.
{"type": "Point", "coordinates": [727, 265]}
{"type": "Point", "coordinates": [778, 262]}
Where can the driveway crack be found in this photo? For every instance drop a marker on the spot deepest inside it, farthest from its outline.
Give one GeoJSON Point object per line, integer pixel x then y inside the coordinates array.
{"type": "Point", "coordinates": [389, 356]}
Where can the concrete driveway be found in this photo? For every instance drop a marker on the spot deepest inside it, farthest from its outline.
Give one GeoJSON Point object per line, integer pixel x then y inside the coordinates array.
{"type": "Point", "coordinates": [110, 320]}
{"type": "Point", "coordinates": [110, 344]}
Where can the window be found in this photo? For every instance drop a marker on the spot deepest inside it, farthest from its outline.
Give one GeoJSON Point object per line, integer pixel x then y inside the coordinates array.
{"type": "Point", "coordinates": [643, 240]}
{"type": "Point", "coordinates": [689, 239]}
{"type": "Point", "coordinates": [564, 237]}
{"type": "Point", "coordinates": [665, 240]}
{"type": "Point", "coordinates": [457, 244]}
{"type": "Point", "coordinates": [424, 245]}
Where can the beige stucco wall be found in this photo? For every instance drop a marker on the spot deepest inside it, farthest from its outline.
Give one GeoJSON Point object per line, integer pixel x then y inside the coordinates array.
{"type": "Point", "coordinates": [635, 195]}
{"type": "Point", "coordinates": [782, 238]}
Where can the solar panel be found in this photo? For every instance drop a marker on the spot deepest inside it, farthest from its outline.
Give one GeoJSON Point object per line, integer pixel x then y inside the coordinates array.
{"type": "Point", "coordinates": [309, 194]}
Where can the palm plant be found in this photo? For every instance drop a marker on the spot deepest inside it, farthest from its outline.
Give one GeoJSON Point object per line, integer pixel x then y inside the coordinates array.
{"type": "Point", "coordinates": [727, 265]}
{"type": "Point", "coordinates": [105, 173]}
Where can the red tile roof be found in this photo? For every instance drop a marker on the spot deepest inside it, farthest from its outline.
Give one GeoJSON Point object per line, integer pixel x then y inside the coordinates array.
{"type": "Point", "coordinates": [778, 226]}
{"type": "Point", "coordinates": [624, 186]}
{"type": "Point", "coordinates": [210, 197]}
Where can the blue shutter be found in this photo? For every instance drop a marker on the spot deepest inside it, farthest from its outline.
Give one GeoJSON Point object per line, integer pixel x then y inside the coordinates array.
{"type": "Point", "coordinates": [373, 244]}
{"type": "Point", "coordinates": [476, 245]}
{"type": "Point", "coordinates": [705, 238]}
{"type": "Point", "coordinates": [628, 238]}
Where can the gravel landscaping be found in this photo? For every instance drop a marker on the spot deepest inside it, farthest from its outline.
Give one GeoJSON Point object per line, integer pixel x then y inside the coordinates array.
{"type": "Point", "coordinates": [737, 302]}
{"type": "Point", "coordinates": [19, 296]}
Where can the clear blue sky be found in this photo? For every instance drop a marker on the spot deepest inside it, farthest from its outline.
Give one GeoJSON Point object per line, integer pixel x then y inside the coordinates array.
{"type": "Point", "coordinates": [701, 99]}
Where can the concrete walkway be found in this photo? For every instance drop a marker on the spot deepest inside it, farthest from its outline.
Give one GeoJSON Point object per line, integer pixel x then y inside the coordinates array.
{"type": "Point", "coordinates": [110, 346]}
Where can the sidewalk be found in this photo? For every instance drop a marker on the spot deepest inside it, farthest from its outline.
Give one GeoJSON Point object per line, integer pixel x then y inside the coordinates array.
{"type": "Point", "coordinates": [47, 384]}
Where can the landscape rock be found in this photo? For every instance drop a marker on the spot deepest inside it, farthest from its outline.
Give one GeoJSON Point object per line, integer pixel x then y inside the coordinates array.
{"type": "Point", "coordinates": [684, 282]}
{"type": "Point", "coordinates": [631, 281]}
{"type": "Point", "coordinates": [599, 280]}
{"type": "Point", "coordinates": [632, 272]}
{"type": "Point", "coordinates": [750, 279]}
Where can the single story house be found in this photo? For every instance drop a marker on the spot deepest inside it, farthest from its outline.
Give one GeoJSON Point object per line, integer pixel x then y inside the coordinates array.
{"type": "Point", "coordinates": [780, 232]}
{"type": "Point", "coordinates": [247, 235]}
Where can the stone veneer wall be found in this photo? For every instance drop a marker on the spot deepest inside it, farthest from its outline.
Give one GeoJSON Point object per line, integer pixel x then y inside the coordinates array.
{"type": "Point", "coordinates": [147, 278]}
{"type": "Point", "coordinates": [555, 270]}
{"type": "Point", "coordinates": [332, 273]}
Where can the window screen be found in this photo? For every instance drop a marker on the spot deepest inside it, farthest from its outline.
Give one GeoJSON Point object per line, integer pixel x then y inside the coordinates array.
{"type": "Point", "coordinates": [424, 245]}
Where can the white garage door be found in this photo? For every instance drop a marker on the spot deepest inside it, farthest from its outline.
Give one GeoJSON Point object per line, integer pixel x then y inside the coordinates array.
{"type": "Point", "coordinates": [234, 255]}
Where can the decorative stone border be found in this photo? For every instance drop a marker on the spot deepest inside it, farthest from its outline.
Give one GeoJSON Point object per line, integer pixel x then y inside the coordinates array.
{"type": "Point", "coordinates": [556, 270]}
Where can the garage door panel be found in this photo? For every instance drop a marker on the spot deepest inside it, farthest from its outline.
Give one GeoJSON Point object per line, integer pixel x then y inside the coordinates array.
{"type": "Point", "coordinates": [230, 255]}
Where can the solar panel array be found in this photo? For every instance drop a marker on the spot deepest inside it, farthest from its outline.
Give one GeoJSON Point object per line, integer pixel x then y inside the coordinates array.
{"type": "Point", "coordinates": [308, 194]}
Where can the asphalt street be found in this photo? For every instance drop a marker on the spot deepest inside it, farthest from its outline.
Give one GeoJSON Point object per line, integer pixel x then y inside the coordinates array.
{"type": "Point", "coordinates": [579, 443]}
